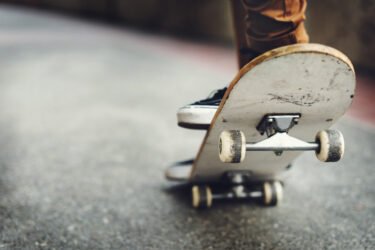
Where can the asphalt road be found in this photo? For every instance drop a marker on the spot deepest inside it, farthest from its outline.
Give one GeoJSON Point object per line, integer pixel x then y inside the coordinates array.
{"type": "Point", "coordinates": [87, 127]}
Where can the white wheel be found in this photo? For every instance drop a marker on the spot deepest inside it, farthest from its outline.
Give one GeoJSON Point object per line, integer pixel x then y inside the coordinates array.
{"type": "Point", "coordinates": [232, 146]}
{"type": "Point", "coordinates": [272, 193]}
{"type": "Point", "coordinates": [201, 196]}
{"type": "Point", "coordinates": [331, 145]}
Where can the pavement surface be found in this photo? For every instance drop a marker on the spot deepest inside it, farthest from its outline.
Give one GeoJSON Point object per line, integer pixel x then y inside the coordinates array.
{"type": "Point", "coordinates": [87, 127]}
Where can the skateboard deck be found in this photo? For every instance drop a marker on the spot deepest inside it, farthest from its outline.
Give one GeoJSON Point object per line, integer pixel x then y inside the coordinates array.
{"type": "Point", "coordinates": [312, 81]}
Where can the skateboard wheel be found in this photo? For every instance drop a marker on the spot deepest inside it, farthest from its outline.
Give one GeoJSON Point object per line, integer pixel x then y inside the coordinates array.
{"type": "Point", "coordinates": [272, 193]}
{"type": "Point", "coordinates": [331, 145]}
{"type": "Point", "coordinates": [232, 146]}
{"type": "Point", "coordinates": [201, 196]}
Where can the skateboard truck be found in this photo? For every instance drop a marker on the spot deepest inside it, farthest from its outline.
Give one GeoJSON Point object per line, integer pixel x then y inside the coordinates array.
{"type": "Point", "coordinates": [276, 127]}
{"type": "Point", "coordinates": [328, 145]}
{"type": "Point", "coordinates": [272, 124]}
{"type": "Point", "coordinates": [238, 188]}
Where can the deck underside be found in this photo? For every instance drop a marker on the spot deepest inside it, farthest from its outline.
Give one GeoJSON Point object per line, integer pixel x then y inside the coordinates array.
{"type": "Point", "coordinates": [313, 80]}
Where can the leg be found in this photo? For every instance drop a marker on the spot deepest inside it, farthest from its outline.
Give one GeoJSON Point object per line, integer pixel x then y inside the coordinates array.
{"type": "Point", "coordinates": [261, 25]}
{"type": "Point", "coordinates": [244, 53]}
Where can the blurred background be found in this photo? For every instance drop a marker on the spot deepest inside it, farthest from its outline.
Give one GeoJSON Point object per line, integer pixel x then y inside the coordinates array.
{"type": "Point", "coordinates": [348, 26]}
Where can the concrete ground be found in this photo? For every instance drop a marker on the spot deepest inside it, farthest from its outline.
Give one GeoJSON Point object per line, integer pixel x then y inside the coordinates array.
{"type": "Point", "coordinates": [87, 127]}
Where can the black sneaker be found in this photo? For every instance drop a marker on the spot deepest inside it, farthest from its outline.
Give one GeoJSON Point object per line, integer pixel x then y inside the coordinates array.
{"type": "Point", "coordinates": [199, 115]}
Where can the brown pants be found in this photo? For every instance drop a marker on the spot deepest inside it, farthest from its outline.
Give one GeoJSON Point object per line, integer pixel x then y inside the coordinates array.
{"type": "Point", "coordinates": [261, 25]}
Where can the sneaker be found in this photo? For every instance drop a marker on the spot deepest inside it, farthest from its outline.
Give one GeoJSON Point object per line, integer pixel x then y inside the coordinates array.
{"type": "Point", "coordinates": [199, 115]}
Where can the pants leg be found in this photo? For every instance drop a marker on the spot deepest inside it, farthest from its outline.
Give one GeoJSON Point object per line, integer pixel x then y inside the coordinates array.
{"type": "Point", "coordinates": [267, 24]}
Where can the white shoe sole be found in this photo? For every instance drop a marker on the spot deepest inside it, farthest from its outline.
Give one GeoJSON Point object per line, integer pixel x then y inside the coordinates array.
{"type": "Point", "coordinates": [195, 116]}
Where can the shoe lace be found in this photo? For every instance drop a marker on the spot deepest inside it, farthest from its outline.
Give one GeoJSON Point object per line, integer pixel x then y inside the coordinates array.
{"type": "Point", "coordinates": [217, 94]}
{"type": "Point", "coordinates": [214, 98]}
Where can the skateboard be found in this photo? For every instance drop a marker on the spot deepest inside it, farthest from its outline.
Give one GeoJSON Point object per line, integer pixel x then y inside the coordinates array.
{"type": "Point", "coordinates": [280, 104]}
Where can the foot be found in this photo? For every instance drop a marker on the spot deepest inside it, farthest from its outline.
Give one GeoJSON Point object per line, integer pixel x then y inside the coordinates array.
{"type": "Point", "coordinates": [198, 115]}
